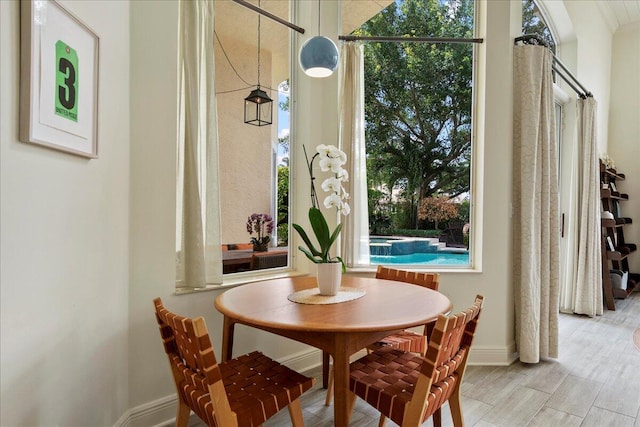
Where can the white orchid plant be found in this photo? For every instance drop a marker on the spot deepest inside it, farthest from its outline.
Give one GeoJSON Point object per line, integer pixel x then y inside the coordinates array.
{"type": "Point", "coordinates": [331, 159]}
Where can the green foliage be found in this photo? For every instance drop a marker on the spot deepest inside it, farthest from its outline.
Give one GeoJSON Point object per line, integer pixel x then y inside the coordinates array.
{"type": "Point", "coordinates": [418, 101]}
{"type": "Point", "coordinates": [414, 233]}
{"type": "Point", "coordinates": [379, 211]}
{"type": "Point", "coordinates": [402, 215]}
{"type": "Point", "coordinates": [282, 222]}
{"type": "Point", "coordinates": [464, 211]}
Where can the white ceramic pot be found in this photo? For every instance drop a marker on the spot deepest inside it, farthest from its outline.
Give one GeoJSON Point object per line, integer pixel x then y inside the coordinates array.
{"type": "Point", "coordinates": [329, 276]}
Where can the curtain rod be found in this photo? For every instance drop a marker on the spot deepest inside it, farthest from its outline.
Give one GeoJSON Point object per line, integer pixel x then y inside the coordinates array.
{"type": "Point", "coordinates": [408, 39]}
{"type": "Point", "coordinates": [569, 78]}
{"type": "Point", "coordinates": [269, 15]}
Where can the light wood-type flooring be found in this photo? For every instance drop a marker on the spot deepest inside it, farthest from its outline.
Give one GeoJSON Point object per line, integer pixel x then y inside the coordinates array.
{"type": "Point", "coordinates": [594, 383]}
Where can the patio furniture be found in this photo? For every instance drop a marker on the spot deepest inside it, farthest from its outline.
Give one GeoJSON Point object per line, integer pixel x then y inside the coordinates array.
{"type": "Point", "coordinates": [408, 388]}
{"type": "Point", "coordinates": [274, 259]}
{"type": "Point", "coordinates": [245, 391]}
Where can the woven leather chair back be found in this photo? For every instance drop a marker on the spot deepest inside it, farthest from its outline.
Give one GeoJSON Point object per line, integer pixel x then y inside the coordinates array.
{"type": "Point", "coordinates": [447, 354]}
{"type": "Point", "coordinates": [192, 359]}
{"type": "Point", "coordinates": [428, 280]}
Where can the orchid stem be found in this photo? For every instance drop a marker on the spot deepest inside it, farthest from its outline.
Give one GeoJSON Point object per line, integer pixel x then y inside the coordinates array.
{"type": "Point", "coordinates": [314, 195]}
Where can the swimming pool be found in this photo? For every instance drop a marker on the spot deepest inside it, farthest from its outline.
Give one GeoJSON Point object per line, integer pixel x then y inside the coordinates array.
{"type": "Point", "coordinates": [432, 258]}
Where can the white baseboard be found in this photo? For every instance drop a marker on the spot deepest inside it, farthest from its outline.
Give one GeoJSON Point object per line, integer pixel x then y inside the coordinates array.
{"type": "Point", "coordinates": [492, 356]}
{"type": "Point", "coordinates": [161, 412]}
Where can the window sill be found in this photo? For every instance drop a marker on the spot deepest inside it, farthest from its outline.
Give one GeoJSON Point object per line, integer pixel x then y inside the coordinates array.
{"type": "Point", "coordinates": [237, 279]}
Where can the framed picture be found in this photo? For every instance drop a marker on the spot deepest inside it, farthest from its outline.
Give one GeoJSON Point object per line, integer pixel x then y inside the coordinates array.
{"type": "Point", "coordinates": [613, 187]}
{"type": "Point", "coordinates": [59, 87]}
{"type": "Point", "coordinates": [610, 244]}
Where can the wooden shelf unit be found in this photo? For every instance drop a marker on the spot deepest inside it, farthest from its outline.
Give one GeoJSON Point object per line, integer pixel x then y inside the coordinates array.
{"type": "Point", "coordinates": [616, 259]}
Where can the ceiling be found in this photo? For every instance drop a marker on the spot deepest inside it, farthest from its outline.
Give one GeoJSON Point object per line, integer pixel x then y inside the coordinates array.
{"type": "Point", "coordinates": [237, 26]}
{"type": "Point", "coordinates": [620, 12]}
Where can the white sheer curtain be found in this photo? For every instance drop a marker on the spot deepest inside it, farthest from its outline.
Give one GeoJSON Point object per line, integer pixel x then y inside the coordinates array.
{"type": "Point", "coordinates": [588, 287]}
{"type": "Point", "coordinates": [199, 254]}
{"type": "Point", "coordinates": [355, 233]}
{"type": "Point", "coordinates": [535, 201]}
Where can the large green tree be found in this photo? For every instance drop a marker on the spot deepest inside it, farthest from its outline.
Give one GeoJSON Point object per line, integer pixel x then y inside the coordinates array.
{"type": "Point", "coordinates": [418, 99]}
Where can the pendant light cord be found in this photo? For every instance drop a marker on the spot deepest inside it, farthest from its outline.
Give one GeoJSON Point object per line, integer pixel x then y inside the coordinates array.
{"type": "Point", "coordinates": [318, 17]}
{"type": "Point", "coordinates": [258, 47]}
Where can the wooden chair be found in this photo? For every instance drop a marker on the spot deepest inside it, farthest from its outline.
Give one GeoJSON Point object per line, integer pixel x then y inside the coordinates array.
{"type": "Point", "coordinates": [245, 391]}
{"type": "Point", "coordinates": [409, 388]}
{"type": "Point", "coordinates": [406, 340]}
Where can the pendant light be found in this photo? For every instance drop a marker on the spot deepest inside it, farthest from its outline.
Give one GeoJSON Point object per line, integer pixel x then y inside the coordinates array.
{"type": "Point", "coordinates": [319, 55]}
{"type": "Point", "coordinates": [258, 107]}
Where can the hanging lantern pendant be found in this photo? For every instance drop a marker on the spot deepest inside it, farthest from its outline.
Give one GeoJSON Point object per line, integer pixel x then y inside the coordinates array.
{"type": "Point", "coordinates": [258, 108]}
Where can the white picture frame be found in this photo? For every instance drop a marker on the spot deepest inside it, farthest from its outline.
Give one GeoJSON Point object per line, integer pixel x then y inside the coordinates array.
{"type": "Point", "coordinates": [610, 244]}
{"type": "Point", "coordinates": [59, 88]}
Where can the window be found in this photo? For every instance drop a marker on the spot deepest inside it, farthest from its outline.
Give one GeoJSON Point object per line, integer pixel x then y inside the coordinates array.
{"type": "Point", "coordinates": [533, 22]}
{"type": "Point", "coordinates": [230, 173]}
{"type": "Point", "coordinates": [418, 131]}
{"type": "Point", "coordinates": [253, 166]}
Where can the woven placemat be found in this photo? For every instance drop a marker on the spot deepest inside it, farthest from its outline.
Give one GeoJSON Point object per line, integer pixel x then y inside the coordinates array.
{"type": "Point", "coordinates": [312, 296]}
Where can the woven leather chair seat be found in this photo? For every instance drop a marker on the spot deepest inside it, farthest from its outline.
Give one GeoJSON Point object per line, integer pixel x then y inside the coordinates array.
{"type": "Point", "coordinates": [257, 388]}
{"type": "Point", "coordinates": [387, 377]}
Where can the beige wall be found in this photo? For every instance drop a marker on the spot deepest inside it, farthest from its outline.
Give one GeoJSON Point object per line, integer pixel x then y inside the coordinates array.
{"type": "Point", "coordinates": [593, 58]}
{"type": "Point", "coordinates": [624, 130]}
{"type": "Point", "coordinates": [64, 265]}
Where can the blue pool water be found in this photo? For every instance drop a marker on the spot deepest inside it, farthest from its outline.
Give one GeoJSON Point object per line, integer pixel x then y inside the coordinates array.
{"type": "Point", "coordinates": [437, 258]}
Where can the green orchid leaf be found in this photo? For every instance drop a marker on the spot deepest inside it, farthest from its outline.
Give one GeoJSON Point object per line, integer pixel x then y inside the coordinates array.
{"type": "Point", "coordinates": [344, 267]}
{"type": "Point", "coordinates": [306, 240]}
{"type": "Point", "coordinates": [321, 230]}
{"type": "Point", "coordinates": [334, 236]}
{"type": "Point", "coordinates": [308, 254]}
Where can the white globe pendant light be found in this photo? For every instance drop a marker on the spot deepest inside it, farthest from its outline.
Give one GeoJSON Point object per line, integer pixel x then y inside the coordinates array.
{"type": "Point", "coordinates": [319, 55]}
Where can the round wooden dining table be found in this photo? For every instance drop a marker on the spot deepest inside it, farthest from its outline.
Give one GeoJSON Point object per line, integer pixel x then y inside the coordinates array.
{"type": "Point", "coordinates": [339, 329]}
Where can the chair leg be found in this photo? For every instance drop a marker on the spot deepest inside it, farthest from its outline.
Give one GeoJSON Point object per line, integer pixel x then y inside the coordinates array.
{"type": "Point", "coordinates": [327, 400]}
{"type": "Point", "coordinates": [351, 400]}
{"type": "Point", "coordinates": [382, 420]}
{"type": "Point", "coordinates": [295, 412]}
{"type": "Point", "coordinates": [182, 418]}
{"type": "Point", "coordinates": [325, 369]}
{"type": "Point", "coordinates": [437, 418]}
{"type": "Point", "coordinates": [456, 409]}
